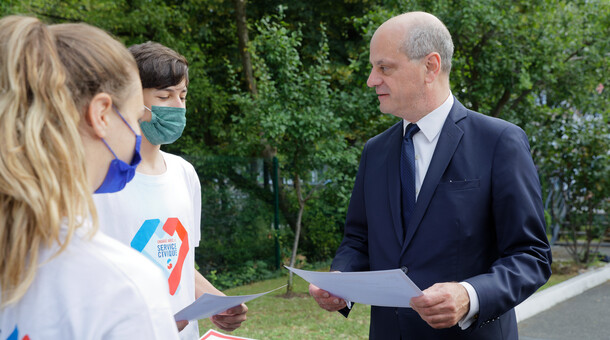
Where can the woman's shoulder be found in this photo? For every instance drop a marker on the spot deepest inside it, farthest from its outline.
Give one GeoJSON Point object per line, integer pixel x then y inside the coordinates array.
{"type": "Point", "coordinates": [93, 284]}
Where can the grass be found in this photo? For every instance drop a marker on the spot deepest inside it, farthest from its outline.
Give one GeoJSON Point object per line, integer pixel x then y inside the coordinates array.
{"type": "Point", "coordinates": [566, 269]}
{"type": "Point", "coordinates": [275, 317]}
{"type": "Point", "coordinates": [557, 278]}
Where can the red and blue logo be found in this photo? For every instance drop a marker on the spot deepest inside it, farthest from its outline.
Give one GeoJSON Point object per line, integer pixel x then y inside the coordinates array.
{"type": "Point", "coordinates": [15, 335]}
{"type": "Point", "coordinates": [165, 245]}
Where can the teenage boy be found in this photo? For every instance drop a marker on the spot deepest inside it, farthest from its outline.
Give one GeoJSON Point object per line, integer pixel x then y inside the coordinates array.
{"type": "Point", "coordinates": [159, 212]}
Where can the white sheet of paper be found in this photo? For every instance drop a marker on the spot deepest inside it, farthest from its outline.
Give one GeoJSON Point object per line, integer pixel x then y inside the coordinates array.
{"type": "Point", "coordinates": [386, 288]}
{"type": "Point", "coordinates": [209, 304]}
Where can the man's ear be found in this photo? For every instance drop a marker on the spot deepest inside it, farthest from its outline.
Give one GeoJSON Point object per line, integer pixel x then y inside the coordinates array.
{"type": "Point", "coordinates": [433, 66]}
{"type": "Point", "coordinates": [98, 113]}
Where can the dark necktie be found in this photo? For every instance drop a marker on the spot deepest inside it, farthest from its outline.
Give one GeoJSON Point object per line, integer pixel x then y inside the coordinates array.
{"type": "Point", "coordinates": [407, 175]}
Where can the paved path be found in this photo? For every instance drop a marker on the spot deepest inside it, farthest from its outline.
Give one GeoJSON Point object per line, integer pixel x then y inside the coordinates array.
{"type": "Point", "coordinates": [583, 317]}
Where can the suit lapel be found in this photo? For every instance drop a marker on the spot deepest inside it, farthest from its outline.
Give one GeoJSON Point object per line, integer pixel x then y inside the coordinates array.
{"type": "Point", "coordinates": [393, 171]}
{"type": "Point", "coordinates": [448, 141]}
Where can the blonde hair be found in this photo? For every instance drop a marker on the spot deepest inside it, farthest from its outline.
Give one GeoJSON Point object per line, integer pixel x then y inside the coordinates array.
{"type": "Point", "coordinates": [48, 76]}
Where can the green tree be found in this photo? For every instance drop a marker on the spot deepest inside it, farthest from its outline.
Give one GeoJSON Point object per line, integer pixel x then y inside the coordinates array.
{"type": "Point", "coordinates": [291, 114]}
{"type": "Point", "coordinates": [572, 151]}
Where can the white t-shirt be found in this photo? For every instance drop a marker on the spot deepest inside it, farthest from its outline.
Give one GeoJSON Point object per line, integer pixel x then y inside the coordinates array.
{"type": "Point", "coordinates": [95, 289]}
{"type": "Point", "coordinates": [160, 216]}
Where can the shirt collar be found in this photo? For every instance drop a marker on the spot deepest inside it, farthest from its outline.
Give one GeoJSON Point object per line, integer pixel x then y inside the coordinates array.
{"type": "Point", "coordinates": [432, 123]}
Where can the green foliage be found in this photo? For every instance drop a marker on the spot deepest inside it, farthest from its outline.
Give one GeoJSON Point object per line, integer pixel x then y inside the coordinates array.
{"type": "Point", "coordinates": [572, 152]}
{"type": "Point", "coordinates": [541, 64]}
{"type": "Point", "coordinates": [292, 112]}
{"type": "Point", "coordinates": [250, 271]}
{"type": "Point", "coordinates": [235, 227]}
{"type": "Point", "coordinates": [324, 226]}
{"type": "Point", "coordinates": [568, 121]}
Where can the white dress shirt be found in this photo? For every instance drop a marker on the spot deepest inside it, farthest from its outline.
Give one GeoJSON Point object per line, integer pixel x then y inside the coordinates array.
{"type": "Point", "coordinates": [424, 144]}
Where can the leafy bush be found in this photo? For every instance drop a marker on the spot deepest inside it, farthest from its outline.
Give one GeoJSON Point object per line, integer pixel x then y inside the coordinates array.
{"type": "Point", "coordinates": [572, 152]}
{"type": "Point", "coordinates": [251, 271]}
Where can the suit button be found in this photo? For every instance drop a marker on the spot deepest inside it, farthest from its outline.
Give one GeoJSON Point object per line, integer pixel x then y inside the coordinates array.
{"type": "Point", "coordinates": [396, 311]}
{"type": "Point", "coordinates": [404, 269]}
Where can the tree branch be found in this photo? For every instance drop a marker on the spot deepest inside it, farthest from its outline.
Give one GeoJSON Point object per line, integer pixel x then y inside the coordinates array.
{"type": "Point", "coordinates": [500, 104]}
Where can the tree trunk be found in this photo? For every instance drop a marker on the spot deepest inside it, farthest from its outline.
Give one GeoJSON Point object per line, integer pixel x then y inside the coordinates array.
{"type": "Point", "coordinates": [242, 34]}
{"type": "Point", "coordinates": [297, 232]}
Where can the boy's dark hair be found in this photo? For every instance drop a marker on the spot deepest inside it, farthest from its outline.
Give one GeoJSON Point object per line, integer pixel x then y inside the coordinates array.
{"type": "Point", "coordinates": [159, 66]}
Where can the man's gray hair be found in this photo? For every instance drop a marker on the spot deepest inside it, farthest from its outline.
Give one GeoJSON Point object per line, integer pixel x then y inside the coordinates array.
{"type": "Point", "coordinates": [424, 38]}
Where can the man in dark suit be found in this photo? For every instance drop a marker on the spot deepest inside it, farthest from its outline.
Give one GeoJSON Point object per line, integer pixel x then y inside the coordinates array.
{"type": "Point", "coordinates": [464, 219]}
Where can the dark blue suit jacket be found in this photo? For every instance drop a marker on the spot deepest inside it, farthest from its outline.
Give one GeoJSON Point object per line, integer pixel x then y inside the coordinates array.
{"type": "Point", "coordinates": [478, 218]}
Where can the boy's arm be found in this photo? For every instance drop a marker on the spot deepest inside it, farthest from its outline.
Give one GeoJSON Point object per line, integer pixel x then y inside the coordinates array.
{"type": "Point", "coordinates": [228, 320]}
{"type": "Point", "coordinates": [202, 285]}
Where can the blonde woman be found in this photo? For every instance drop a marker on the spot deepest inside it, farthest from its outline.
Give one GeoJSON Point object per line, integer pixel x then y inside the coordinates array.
{"type": "Point", "coordinates": [70, 100]}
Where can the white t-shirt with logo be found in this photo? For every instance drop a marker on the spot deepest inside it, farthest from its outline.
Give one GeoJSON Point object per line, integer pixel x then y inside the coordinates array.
{"type": "Point", "coordinates": [160, 216]}
{"type": "Point", "coordinates": [95, 289]}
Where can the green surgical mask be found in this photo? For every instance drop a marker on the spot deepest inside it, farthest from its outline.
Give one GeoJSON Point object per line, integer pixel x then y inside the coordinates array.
{"type": "Point", "coordinates": [165, 126]}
